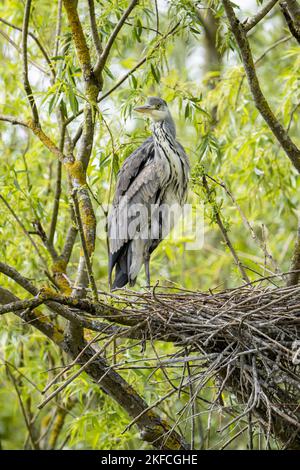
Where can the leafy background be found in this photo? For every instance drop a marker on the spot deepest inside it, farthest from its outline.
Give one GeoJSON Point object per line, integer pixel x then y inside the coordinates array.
{"type": "Point", "coordinates": [223, 135]}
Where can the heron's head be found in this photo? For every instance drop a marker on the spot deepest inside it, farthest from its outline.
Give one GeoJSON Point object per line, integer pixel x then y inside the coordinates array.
{"type": "Point", "coordinates": [156, 108]}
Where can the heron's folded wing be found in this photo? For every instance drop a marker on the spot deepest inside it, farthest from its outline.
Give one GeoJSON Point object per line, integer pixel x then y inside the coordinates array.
{"type": "Point", "coordinates": [134, 204]}
{"type": "Point", "coordinates": [132, 166]}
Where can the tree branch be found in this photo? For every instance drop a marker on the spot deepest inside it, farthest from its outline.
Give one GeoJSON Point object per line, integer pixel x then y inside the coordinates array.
{"type": "Point", "coordinates": [94, 29]}
{"type": "Point", "coordinates": [84, 247]}
{"type": "Point", "coordinates": [295, 31]}
{"type": "Point", "coordinates": [35, 64]}
{"type": "Point", "coordinates": [294, 9]}
{"type": "Point", "coordinates": [26, 83]}
{"type": "Point", "coordinates": [251, 22]}
{"type": "Point", "coordinates": [261, 103]}
{"type": "Point", "coordinates": [33, 317]}
{"type": "Point", "coordinates": [13, 120]}
{"type": "Point", "coordinates": [103, 58]}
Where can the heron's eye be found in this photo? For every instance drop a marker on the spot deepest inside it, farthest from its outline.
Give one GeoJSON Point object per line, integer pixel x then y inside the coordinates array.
{"type": "Point", "coordinates": [157, 106]}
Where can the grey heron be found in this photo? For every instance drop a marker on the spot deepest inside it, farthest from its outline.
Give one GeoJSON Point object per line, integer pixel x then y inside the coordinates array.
{"type": "Point", "coordinates": [152, 179]}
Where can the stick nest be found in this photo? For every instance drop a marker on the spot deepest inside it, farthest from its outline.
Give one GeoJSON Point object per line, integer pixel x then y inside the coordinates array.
{"type": "Point", "coordinates": [247, 337]}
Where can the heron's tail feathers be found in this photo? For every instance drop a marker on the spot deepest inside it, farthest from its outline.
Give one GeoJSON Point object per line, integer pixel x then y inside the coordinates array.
{"type": "Point", "coordinates": [118, 260]}
{"type": "Point", "coordinates": [126, 265]}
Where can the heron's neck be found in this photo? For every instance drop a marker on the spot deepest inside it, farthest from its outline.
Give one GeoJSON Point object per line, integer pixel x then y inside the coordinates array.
{"type": "Point", "coordinates": [166, 127]}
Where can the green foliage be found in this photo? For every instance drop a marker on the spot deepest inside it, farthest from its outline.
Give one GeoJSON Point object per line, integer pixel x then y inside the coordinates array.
{"type": "Point", "coordinates": [224, 136]}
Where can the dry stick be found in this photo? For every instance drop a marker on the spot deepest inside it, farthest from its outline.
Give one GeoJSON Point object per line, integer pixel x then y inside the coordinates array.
{"type": "Point", "coordinates": [290, 148]}
{"type": "Point", "coordinates": [84, 246]}
{"type": "Point", "coordinates": [224, 231]}
{"type": "Point", "coordinates": [146, 410]}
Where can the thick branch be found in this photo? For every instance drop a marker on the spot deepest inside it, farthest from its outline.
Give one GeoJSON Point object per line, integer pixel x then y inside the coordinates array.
{"type": "Point", "coordinates": [261, 103]}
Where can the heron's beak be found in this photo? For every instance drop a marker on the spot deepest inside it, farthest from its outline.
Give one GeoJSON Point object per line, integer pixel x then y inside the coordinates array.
{"type": "Point", "coordinates": [146, 109]}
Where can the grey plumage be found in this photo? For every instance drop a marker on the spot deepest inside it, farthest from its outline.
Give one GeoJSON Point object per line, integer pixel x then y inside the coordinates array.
{"type": "Point", "coordinates": [152, 178]}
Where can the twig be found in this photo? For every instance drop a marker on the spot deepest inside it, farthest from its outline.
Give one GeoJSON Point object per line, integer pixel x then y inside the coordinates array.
{"type": "Point", "coordinates": [84, 247]}
{"type": "Point", "coordinates": [37, 41]}
{"type": "Point", "coordinates": [81, 369]}
{"type": "Point", "coordinates": [224, 231]}
{"type": "Point", "coordinates": [26, 83]}
{"type": "Point", "coordinates": [8, 39]}
{"type": "Point", "coordinates": [246, 222]}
